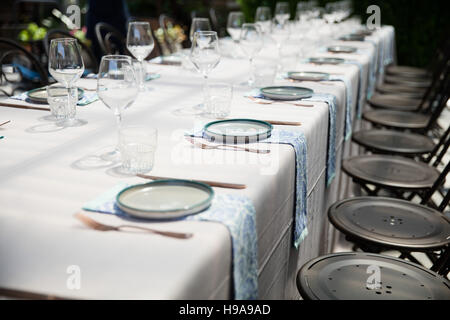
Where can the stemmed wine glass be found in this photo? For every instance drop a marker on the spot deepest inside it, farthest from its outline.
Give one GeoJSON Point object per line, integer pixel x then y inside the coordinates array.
{"type": "Point", "coordinates": [116, 88]}
{"type": "Point", "coordinates": [234, 24]}
{"type": "Point", "coordinates": [205, 56]}
{"type": "Point", "coordinates": [251, 42]}
{"type": "Point", "coordinates": [263, 18]}
{"type": "Point", "coordinates": [199, 24]}
{"type": "Point", "coordinates": [140, 43]}
{"type": "Point", "coordinates": [282, 12]}
{"type": "Point", "coordinates": [280, 34]}
{"type": "Point", "coordinates": [66, 66]}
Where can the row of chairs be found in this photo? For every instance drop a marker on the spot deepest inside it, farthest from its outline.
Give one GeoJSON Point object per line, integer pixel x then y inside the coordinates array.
{"type": "Point", "coordinates": [406, 164]}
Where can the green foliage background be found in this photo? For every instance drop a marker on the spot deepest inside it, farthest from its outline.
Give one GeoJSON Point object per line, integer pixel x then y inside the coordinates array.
{"type": "Point", "coordinates": [420, 24]}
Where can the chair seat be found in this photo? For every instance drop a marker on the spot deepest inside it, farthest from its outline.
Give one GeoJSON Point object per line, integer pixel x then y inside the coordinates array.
{"type": "Point", "coordinates": [390, 141]}
{"type": "Point", "coordinates": [397, 119]}
{"type": "Point", "coordinates": [345, 276]}
{"type": "Point", "coordinates": [392, 223]}
{"type": "Point", "coordinates": [405, 91]}
{"type": "Point", "coordinates": [391, 172]}
{"type": "Point", "coordinates": [406, 71]}
{"type": "Point", "coordinates": [393, 102]}
{"type": "Point", "coordinates": [408, 82]}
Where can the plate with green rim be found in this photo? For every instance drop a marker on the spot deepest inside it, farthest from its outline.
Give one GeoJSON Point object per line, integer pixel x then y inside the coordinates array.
{"type": "Point", "coordinates": [326, 60]}
{"type": "Point", "coordinates": [353, 37]}
{"type": "Point", "coordinates": [236, 131]}
{"type": "Point", "coordinates": [342, 49]}
{"type": "Point", "coordinates": [39, 95]}
{"type": "Point", "coordinates": [308, 76]}
{"type": "Point", "coordinates": [165, 199]}
{"type": "Point", "coordinates": [286, 93]}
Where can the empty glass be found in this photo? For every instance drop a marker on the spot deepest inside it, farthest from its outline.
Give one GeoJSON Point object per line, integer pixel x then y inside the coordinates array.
{"type": "Point", "coordinates": [220, 96]}
{"type": "Point", "coordinates": [263, 18]}
{"type": "Point", "coordinates": [137, 145]}
{"type": "Point", "coordinates": [234, 24]}
{"type": "Point", "coordinates": [62, 102]}
{"type": "Point", "coordinates": [280, 34]}
{"type": "Point", "coordinates": [205, 56]}
{"type": "Point", "coordinates": [140, 43]}
{"type": "Point", "coordinates": [282, 12]}
{"type": "Point", "coordinates": [66, 66]}
{"type": "Point", "coordinates": [251, 42]}
{"type": "Point", "coordinates": [199, 24]}
{"type": "Point", "coordinates": [264, 73]}
{"type": "Point", "coordinates": [116, 88]}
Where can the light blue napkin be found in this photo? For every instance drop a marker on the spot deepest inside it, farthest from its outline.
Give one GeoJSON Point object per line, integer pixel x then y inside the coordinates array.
{"type": "Point", "coordinates": [349, 103]}
{"type": "Point", "coordinates": [236, 212]}
{"type": "Point", "coordinates": [297, 140]}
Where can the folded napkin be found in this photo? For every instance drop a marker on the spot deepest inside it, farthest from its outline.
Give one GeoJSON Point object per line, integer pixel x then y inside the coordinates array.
{"type": "Point", "coordinates": [297, 140]}
{"type": "Point", "coordinates": [332, 102]}
{"type": "Point", "coordinates": [236, 212]}
{"type": "Point", "coordinates": [349, 103]}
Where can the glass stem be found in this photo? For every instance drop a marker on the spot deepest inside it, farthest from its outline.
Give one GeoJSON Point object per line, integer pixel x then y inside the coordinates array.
{"type": "Point", "coordinates": [141, 74]}
{"type": "Point", "coordinates": [119, 125]}
{"type": "Point", "coordinates": [251, 80]}
{"type": "Point", "coordinates": [205, 92]}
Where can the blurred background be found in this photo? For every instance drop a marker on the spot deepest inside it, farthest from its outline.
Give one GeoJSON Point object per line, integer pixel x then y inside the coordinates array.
{"type": "Point", "coordinates": [420, 24]}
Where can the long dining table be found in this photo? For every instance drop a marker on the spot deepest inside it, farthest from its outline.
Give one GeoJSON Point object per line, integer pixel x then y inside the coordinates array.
{"type": "Point", "coordinates": [47, 174]}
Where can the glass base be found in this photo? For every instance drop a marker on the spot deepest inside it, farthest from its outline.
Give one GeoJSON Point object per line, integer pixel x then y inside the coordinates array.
{"type": "Point", "coordinates": [112, 156]}
{"type": "Point", "coordinates": [71, 123]}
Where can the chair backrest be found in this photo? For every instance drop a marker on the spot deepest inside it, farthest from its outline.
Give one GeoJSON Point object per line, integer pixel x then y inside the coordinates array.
{"type": "Point", "coordinates": [438, 105]}
{"type": "Point", "coordinates": [436, 84]}
{"type": "Point", "coordinates": [436, 186]}
{"type": "Point", "coordinates": [26, 63]}
{"type": "Point", "coordinates": [110, 40]}
{"type": "Point", "coordinates": [164, 22]}
{"type": "Point", "coordinates": [90, 61]}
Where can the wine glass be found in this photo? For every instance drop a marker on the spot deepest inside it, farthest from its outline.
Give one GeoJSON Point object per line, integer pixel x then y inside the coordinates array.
{"type": "Point", "coordinates": [140, 43]}
{"type": "Point", "coordinates": [251, 41]}
{"type": "Point", "coordinates": [263, 18]}
{"type": "Point", "coordinates": [66, 66]}
{"type": "Point", "coordinates": [280, 34]}
{"type": "Point", "coordinates": [234, 24]}
{"type": "Point", "coordinates": [116, 88]}
{"type": "Point", "coordinates": [205, 56]}
{"type": "Point", "coordinates": [282, 12]}
{"type": "Point", "coordinates": [199, 24]}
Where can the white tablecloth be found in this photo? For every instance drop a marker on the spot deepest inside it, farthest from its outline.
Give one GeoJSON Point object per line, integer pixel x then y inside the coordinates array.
{"type": "Point", "coordinates": [43, 183]}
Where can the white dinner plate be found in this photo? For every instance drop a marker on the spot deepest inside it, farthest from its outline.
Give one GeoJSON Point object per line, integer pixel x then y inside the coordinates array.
{"type": "Point", "coordinates": [342, 49]}
{"type": "Point", "coordinates": [165, 199]}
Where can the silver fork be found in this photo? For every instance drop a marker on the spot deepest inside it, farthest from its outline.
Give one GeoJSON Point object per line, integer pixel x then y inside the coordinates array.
{"type": "Point", "coordinates": [224, 146]}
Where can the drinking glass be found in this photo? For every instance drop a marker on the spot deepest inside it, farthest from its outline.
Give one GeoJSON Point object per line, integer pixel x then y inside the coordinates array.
{"type": "Point", "coordinates": [140, 43]}
{"type": "Point", "coordinates": [282, 12]}
{"type": "Point", "coordinates": [66, 66]}
{"type": "Point", "coordinates": [251, 42]}
{"type": "Point", "coordinates": [205, 56]}
{"type": "Point", "coordinates": [199, 24]}
{"type": "Point", "coordinates": [280, 34]}
{"type": "Point", "coordinates": [117, 89]}
{"type": "Point", "coordinates": [234, 24]}
{"type": "Point", "coordinates": [263, 18]}
{"type": "Point", "coordinates": [137, 145]}
{"type": "Point", "coordinates": [62, 102]}
{"type": "Point", "coordinates": [221, 95]}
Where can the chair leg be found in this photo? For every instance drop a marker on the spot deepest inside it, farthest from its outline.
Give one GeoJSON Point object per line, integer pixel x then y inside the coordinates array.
{"type": "Point", "coordinates": [441, 266]}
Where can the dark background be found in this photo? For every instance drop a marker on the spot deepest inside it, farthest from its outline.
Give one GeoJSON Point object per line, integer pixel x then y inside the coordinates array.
{"type": "Point", "coordinates": [420, 24]}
